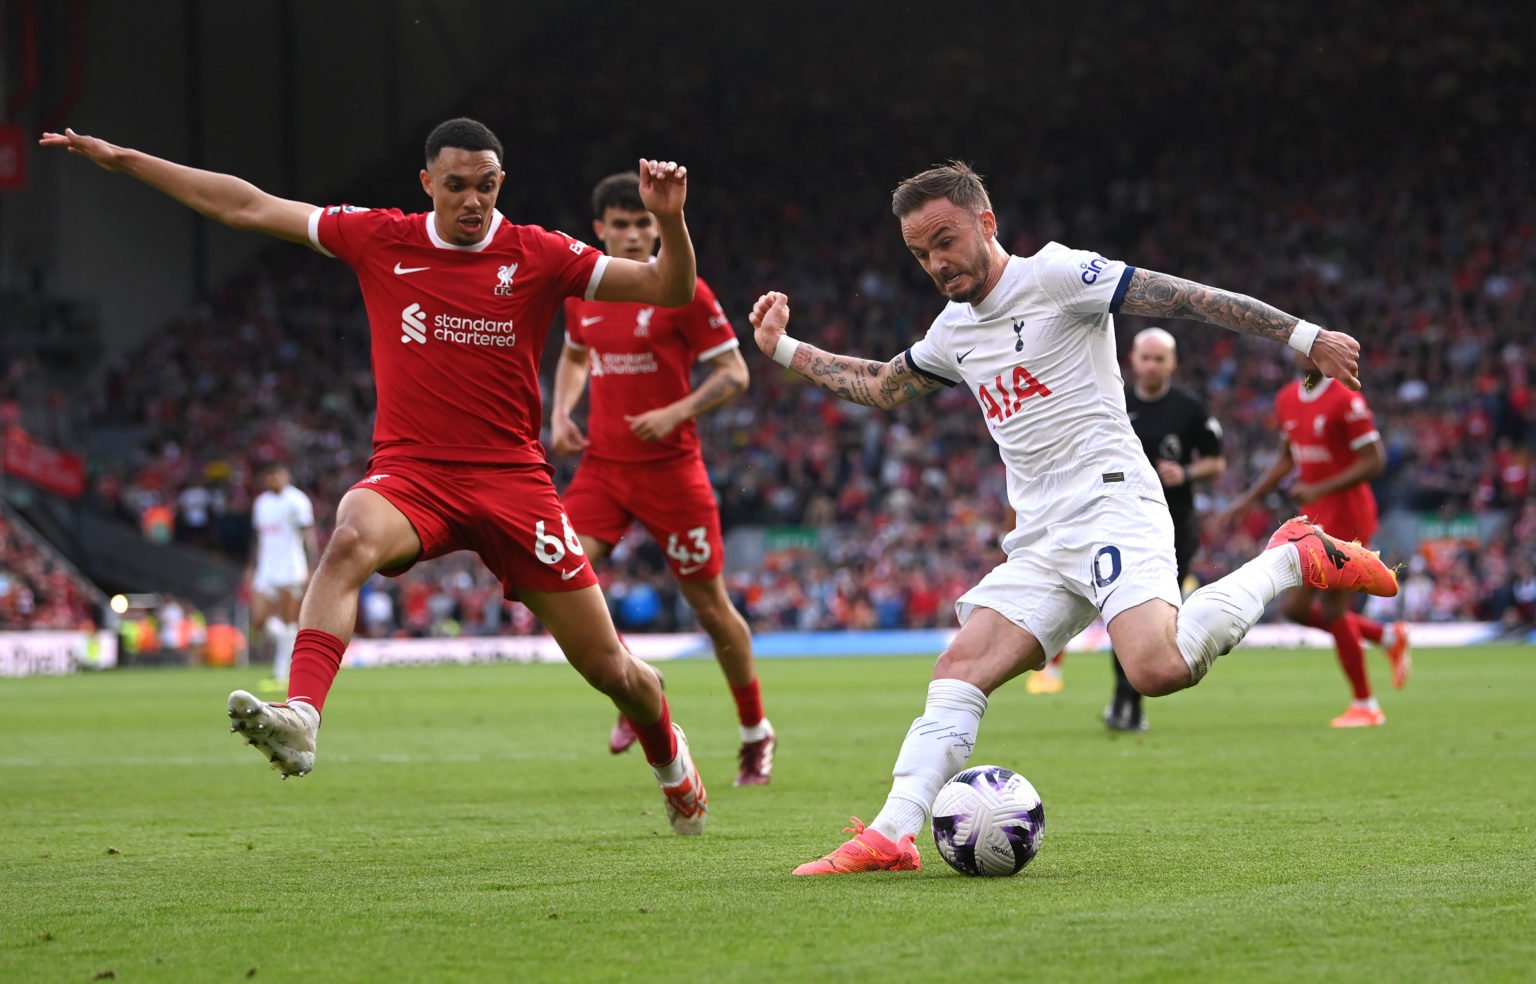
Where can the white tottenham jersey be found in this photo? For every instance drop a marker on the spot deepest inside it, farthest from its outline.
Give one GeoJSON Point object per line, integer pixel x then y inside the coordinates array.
{"type": "Point", "coordinates": [280, 519]}
{"type": "Point", "coordinates": [1039, 354]}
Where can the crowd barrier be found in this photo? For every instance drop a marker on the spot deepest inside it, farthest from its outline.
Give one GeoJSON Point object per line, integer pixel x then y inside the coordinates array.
{"type": "Point", "coordinates": [51, 653]}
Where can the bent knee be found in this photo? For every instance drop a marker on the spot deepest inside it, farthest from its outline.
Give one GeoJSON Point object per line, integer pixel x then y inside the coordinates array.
{"type": "Point", "coordinates": [616, 673]}
{"type": "Point", "coordinates": [1157, 675]}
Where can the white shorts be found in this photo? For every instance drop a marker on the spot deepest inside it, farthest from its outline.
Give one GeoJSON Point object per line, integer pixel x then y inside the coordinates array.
{"type": "Point", "coordinates": [1114, 554]}
{"type": "Point", "coordinates": [269, 583]}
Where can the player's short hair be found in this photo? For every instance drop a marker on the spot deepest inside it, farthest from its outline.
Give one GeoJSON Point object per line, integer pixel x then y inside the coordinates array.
{"type": "Point", "coordinates": [621, 191]}
{"type": "Point", "coordinates": [954, 181]}
{"type": "Point", "coordinates": [463, 133]}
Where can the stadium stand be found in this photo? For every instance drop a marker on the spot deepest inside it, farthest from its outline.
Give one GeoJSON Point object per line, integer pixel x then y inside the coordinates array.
{"type": "Point", "coordinates": [878, 520]}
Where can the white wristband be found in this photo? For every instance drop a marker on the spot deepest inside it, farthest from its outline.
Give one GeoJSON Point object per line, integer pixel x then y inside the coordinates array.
{"type": "Point", "coordinates": [1302, 337]}
{"type": "Point", "coordinates": [784, 351]}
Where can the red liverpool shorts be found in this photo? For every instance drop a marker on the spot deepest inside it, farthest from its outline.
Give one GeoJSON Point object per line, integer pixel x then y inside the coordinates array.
{"type": "Point", "coordinates": [508, 514]}
{"type": "Point", "coordinates": [1349, 514]}
{"type": "Point", "coordinates": [673, 501]}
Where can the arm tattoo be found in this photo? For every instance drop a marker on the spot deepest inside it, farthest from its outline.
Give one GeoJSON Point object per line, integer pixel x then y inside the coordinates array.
{"type": "Point", "coordinates": [1157, 295]}
{"type": "Point", "coordinates": [874, 384]}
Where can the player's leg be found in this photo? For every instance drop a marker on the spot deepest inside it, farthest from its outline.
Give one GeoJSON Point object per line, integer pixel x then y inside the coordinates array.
{"type": "Point", "coordinates": [287, 615]}
{"type": "Point", "coordinates": [1126, 711]}
{"type": "Point", "coordinates": [679, 511]}
{"type": "Point", "coordinates": [263, 608]}
{"type": "Point", "coordinates": [580, 624]}
{"type": "Point", "coordinates": [371, 534]}
{"type": "Point", "coordinates": [989, 650]}
{"type": "Point", "coordinates": [528, 542]}
{"type": "Point", "coordinates": [1216, 617]}
{"type": "Point", "coordinates": [732, 640]}
{"type": "Point", "coordinates": [593, 503]}
{"type": "Point", "coordinates": [1363, 711]}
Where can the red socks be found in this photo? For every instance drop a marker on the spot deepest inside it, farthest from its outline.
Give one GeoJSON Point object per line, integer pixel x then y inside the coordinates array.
{"type": "Point", "coordinates": [316, 660]}
{"type": "Point", "coordinates": [1370, 629]}
{"type": "Point", "coordinates": [658, 740]}
{"type": "Point", "coordinates": [1346, 637]}
{"type": "Point", "coordinates": [749, 704]}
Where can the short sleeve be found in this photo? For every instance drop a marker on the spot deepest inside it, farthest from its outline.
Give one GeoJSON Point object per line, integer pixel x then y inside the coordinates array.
{"type": "Point", "coordinates": [303, 510]}
{"type": "Point", "coordinates": [572, 266]}
{"type": "Point", "coordinates": [343, 231]}
{"type": "Point", "coordinates": [1207, 436]}
{"type": "Point", "coordinates": [703, 324]}
{"type": "Point", "coordinates": [931, 356]}
{"type": "Point", "coordinates": [1359, 422]}
{"type": "Point", "coordinates": [1081, 282]}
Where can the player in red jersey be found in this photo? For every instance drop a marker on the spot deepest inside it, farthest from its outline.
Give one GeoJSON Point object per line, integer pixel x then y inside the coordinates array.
{"type": "Point", "coordinates": [640, 358]}
{"type": "Point", "coordinates": [458, 300]}
{"type": "Point", "coordinates": [1330, 433]}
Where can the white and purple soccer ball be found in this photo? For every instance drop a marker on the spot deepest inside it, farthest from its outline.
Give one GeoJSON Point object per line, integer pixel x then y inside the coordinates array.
{"type": "Point", "coordinates": [988, 821]}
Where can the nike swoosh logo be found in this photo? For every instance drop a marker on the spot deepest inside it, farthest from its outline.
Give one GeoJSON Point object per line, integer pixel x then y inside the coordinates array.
{"type": "Point", "coordinates": [591, 321]}
{"type": "Point", "coordinates": [690, 570]}
{"type": "Point", "coordinates": [960, 359]}
{"type": "Point", "coordinates": [406, 269]}
{"type": "Point", "coordinates": [567, 575]}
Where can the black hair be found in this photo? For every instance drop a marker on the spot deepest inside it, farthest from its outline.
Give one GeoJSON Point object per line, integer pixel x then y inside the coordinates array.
{"type": "Point", "coordinates": [620, 191]}
{"type": "Point", "coordinates": [463, 133]}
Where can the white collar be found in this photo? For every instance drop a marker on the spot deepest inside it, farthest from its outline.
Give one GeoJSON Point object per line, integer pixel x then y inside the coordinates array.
{"type": "Point", "coordinates": [442, 243]}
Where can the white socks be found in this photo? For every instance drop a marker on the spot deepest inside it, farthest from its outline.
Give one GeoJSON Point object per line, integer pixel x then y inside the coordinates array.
{"type": "Point", "coordinates": [1215, 618]}
{"type": "Point", "coordinates": [756, 732]}
{"type": "Point", "coordinates": [282, 655]}
{"type": "Point", "coordinates": [936, 747]}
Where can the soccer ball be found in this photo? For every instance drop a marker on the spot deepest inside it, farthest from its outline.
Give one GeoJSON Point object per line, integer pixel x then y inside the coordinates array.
{"type": "Point", "coordinates": [988, 821]}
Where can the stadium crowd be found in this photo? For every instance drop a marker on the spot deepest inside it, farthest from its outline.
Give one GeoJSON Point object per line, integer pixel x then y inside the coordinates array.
{"type": "Point", "coordinates": [37, 589]}
{"type": "Point", "coordinates": [893, 514]}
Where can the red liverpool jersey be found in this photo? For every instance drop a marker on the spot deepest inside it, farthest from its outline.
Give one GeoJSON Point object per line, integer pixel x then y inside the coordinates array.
{"type": "Point", "coordinates": [1326, 427]}
{"type": "Point", "coordinates": [457, 330]}
{"type": "Point", "coordinates": [642, 357]}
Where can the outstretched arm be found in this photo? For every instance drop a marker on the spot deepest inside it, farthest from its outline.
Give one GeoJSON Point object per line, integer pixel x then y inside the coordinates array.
{"type": "Point", "coordinates": [224, 197]}
{"type": "Point", "coordinates": [874, 384]}
{"type": "Point", "coordinates": [1158, 295]}
{"type": "Point", "coordinates": [726, 381]}
{"type": "Point", "coordinates": [670, 281]}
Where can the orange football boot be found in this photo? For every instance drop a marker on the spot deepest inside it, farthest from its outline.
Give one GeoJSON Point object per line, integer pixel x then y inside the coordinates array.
{"type": "Point", "coordinates": [1331, 564]}
{"type": "Point", "coordinates": [1360, 717]}
{"type": "Point", "coordinates": [869, 850]}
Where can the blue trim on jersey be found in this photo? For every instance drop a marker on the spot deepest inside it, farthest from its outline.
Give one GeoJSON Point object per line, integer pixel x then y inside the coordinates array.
{"type": "Point", "coordinates": [1119, 295]}
{"type": "Point", "coordinates": [924, 372]}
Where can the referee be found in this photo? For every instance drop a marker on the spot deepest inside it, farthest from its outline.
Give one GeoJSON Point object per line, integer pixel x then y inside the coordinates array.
{"type": "Point", "coordinates": [1183, 442]}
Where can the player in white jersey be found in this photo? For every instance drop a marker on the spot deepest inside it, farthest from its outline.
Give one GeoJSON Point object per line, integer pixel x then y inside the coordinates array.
{"type": "Point", "coordinates": [1033, 339]}
{"type": "Point", "coordinates": [283, 552]}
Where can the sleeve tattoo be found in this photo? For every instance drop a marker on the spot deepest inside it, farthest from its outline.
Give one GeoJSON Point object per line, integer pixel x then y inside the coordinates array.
{"type": "Point", "coordinates": [1157, 295]}
{"type": "Point", "coordinates": [874, 384]}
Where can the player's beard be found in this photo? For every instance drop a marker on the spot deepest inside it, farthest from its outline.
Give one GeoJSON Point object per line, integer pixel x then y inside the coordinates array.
{"type": "Point", "coordinates": [978, 271]}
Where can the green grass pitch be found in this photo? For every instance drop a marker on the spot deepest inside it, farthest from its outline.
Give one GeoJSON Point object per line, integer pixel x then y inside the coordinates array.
{"type": "Point", "coordinates": [468, 824]}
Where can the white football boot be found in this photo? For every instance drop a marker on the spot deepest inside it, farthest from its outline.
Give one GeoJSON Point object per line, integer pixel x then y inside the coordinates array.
{"type": "Point", "coordinates": [283, 732]}
{"type": "Point", "coordinates": [687, 802]}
